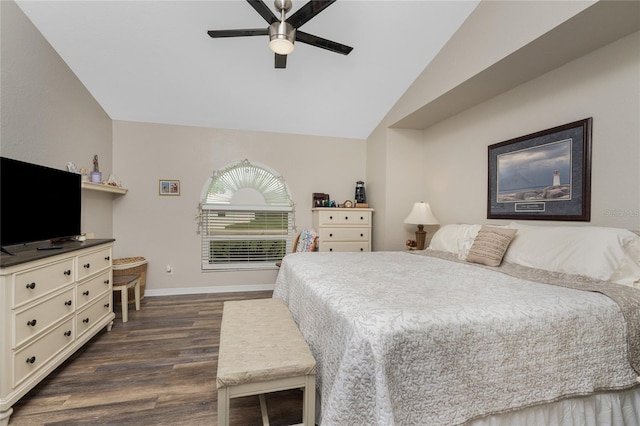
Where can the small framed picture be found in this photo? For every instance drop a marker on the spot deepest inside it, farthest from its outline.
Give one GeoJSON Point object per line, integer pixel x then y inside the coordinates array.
{"type": "Point", "coordinates": [168, 187]}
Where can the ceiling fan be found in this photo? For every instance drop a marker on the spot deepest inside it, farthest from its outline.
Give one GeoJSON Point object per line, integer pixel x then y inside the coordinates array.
{"type": "Point", "coordinates": [284, 32]}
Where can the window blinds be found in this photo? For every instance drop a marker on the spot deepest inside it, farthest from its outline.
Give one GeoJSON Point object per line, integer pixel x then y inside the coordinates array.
{"type": "Point", "coordinates": [245, 237]}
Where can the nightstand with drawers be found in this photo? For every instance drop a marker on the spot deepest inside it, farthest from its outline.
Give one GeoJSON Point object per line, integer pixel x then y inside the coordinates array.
{"type": "Point", "coordinates": [343, 229]}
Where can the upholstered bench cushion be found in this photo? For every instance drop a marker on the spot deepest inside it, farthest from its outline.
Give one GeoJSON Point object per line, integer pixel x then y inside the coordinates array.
{"type": "Point", "coordinates": [259, 341]}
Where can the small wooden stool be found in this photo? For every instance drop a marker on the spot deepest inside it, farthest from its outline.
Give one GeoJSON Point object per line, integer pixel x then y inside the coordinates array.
{"type": "Point", "coordinates": [122, 283]}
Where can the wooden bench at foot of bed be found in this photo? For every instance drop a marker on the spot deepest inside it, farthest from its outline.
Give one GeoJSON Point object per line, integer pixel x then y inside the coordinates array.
{"type": "Point", "coordinates": [262, 351]}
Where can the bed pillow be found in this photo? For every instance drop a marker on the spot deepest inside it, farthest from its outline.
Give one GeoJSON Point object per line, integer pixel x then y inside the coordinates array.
{"type": "Point", "coordinates": [490, 245]}
{"type": "Point", "coordinates": [608, 254]}
{"type": "Point", "coordinates": [446, 238]}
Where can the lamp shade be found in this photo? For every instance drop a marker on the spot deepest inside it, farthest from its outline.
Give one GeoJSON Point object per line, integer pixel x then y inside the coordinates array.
{"type": "Point", "coordinates": [421, 215]}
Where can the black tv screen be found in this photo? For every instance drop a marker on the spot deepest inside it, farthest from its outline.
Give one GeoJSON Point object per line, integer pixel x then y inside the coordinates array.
{"type": "Point", "coordinates": [37, 203]}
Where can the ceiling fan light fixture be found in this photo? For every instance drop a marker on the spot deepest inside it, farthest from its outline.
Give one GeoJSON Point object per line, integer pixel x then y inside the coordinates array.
{"type": "Point", "coordinates": [281, 37]}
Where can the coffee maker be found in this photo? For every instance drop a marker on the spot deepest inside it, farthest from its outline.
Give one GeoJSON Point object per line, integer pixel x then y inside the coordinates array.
{"type": "Point", "coordinates": [361, 197]}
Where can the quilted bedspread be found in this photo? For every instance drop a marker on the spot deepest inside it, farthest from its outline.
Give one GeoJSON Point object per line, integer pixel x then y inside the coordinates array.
{"type": "Point", "coordinates": [402, 339]}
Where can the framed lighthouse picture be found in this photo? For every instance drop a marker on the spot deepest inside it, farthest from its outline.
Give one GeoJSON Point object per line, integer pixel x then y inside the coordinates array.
{"type": "Point", "coordinates": [545, 175]}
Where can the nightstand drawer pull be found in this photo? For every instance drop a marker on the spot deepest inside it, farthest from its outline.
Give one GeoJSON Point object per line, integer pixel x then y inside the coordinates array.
{"type": "Point", "coordinates": [85, 293]}
{"type": "Point", "coordinates": [67, 272]}
{"type": "Point", "coordinates": [31, 286]}
{"type": "Point", "coordinates": [31, 360]}
{"type": "Point", "coordinates": [32, 323]}
{"type": "Point", "coordinates": [107, 258]}
{"type": "Point", "coordinates": [106, 282]}
{"type": "Point", "coordinates": [106, 305]}
{"type": "Point", "coordinates": [86, 320]}
{"type": "Point", "coordinates": [67, 303]}
{"type": "Point", "coordinates": [67, 333]}
{"type": "Point", "coordinates": [87, 265]}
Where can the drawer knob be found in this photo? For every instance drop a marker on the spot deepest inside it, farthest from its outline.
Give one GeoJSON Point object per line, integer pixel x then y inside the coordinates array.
{"type": "Point", "coordinates": [85, 293]}
{"type": "Point", "coordinates": [361, 249]}
{"type": "Point", "coordinates": [67, 272]}
{"type": "Point", "coordinates": [67, 333]}
{"type": "Point", "coordinates": [108, 258]}
{"type": "Point", "coordinates": [330, 249]}
{"type": "Point", "coordinates": [346, 218]}
{"type": "Point", "coordinates": [362, 235]}
{"type": "Point", "coordinates": [87, 265]}
{"type": "Point", "coordinates": [67, 303]}
{"type": "Point", "coordinates": [106, 281]}
{"type": "Point", "coordinates": [106, 305]}
{"type": "Point", "coordinates": [331, 235]}
{"type": "Point", "coordinates": [31, 286]}
{"type": "Point", "coordinates": [32, 323]}
{"type": "Point", "coordinates": [31, 360]}
{"type": "Point", "coordinates": [86, 320]}
{"type": "Point", "coordinates": [330, 217]}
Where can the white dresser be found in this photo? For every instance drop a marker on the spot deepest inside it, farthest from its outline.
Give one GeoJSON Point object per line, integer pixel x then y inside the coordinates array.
{"type": "Point", "coordinates": [51, 303]}
{"type": "Point", "coordinates": [343, 229]}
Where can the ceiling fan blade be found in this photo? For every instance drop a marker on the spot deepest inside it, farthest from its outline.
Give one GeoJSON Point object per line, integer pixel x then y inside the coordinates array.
{"type": "Point", "coordinates": [263, 10]}
{"type": "Point", "coordinates": [308, 11]}
{"type": "Point", "coordinates": [238, 33]}
{"type": "Point", "coordinates": [281, 61]}
{"type": "Point", "coordinates": [323, 43]}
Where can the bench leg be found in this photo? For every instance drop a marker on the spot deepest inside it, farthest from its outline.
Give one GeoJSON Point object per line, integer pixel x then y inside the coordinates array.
{"type": "Point", "coordinates": [309, 402]}
{"type": "Point", "coordinates": [223, 407]}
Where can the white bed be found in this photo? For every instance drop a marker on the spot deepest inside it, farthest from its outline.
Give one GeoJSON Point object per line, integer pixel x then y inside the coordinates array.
{"type": "Point", "coordinates": [427, 338]}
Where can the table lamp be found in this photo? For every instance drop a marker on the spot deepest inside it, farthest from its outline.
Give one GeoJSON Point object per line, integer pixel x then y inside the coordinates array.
{"type": "Point", "coordinates": [421, 215]}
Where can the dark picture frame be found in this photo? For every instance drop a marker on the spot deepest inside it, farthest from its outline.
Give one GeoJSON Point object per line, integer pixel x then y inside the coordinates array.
{"type": "Point", "coordinates": [542, 176]}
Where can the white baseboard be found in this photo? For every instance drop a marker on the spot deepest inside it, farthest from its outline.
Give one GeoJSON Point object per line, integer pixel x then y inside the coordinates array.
{"type": "Point", "coordinates": [204, 290]}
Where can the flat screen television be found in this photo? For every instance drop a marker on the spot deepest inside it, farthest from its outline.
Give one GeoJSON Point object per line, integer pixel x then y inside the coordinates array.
{"type": "Point", "coordinates": [37, 204]}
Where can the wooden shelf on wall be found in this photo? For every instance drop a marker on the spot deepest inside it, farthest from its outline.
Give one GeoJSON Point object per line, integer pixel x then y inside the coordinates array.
{"type": "Point", "coordinates": [104, 188]}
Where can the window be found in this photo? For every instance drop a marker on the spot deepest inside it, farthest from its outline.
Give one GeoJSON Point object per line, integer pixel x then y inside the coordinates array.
{"type": "Point", "coordinates": [247, 218]}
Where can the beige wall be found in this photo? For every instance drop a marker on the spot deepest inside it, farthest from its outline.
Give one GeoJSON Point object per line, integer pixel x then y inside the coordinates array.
{"type": "Point", "coordinates": [163, 229]}
{"type": "Point", "coordinates": [48, 116]}
{"type": "Point", "coordinates": [604, 85]}
{"type": "Point", "coordinates": [601, 83]}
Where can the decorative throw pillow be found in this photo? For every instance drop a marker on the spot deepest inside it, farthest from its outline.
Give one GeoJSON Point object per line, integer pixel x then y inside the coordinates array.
{"type": "Point", "coordinates": [490, 245]}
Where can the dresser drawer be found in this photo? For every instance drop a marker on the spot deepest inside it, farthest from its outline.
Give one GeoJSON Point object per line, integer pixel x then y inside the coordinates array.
{"type": "Point", "coordinates": [28, 360]}
{"type": "Point", "coordinates": [36, 319]}
{"type": "Point", "coordinates": [344, 234]}
{"type": "Point", "coordinates": [40, 281]}
{"type": "Point", "coordinates": [338, 246]}
{"type": "Point", "coordinates": [91, 263]}
{"type": "Point", "coordinates": [92, 288]}
{"type": "Point", "coordinates": [86, 319]}
{"type": "Point", "coordinates": [344, 217]}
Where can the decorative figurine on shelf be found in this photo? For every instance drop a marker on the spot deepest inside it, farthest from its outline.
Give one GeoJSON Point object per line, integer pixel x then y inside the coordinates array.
{"type": "Point", "coordinates": [96, 176]}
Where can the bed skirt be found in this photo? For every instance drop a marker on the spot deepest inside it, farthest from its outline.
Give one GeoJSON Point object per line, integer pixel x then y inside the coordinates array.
{"type": "Point", "coordinates": [621, 408]}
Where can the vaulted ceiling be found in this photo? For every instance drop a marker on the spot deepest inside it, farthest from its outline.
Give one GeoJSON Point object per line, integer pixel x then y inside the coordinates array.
{"type": "Point", "coordinates": [152, 61]}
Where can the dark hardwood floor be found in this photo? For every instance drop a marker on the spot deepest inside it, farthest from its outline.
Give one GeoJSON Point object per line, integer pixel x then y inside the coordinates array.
{"type": "Point", "coordinates": [157, 369]}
